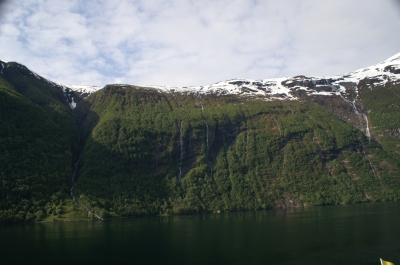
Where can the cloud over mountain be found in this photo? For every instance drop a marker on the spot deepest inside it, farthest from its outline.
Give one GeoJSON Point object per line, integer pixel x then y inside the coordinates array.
{"type": "Point", "coordinates": [195, 43]}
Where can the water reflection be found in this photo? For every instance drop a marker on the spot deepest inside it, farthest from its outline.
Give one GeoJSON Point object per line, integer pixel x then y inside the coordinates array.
{"type": "Point", "coordinates": [346, 234]}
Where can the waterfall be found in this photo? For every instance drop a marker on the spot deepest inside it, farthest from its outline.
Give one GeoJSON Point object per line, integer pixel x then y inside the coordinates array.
{"type": "Point", "coordinates": [207, 129]}
{"type": "Point", "coordinates": [365, 117]}
{"type": "Point", "coordinates": [361, 114]}
{"type": "Point", "coordinates": [367, 132]}
{"type": "Point", "coordinates": [394, 92]}
{"type": "Point", "coordinates": [201, 103]}
{"type": "Point", "coordinates": [207, 133]}
{"type": "Point", "coordinates": [353, 105]}
{"type": "Point", "coordinates": [73, 195]}
{"type": "Point", "coordinates": [76, 168]}
{"type": "Point", "coordinates": [246, 143]}
{"type": "Point", "coordinates": [182, 150]}
{"type": "Point", "coordinates": [176, 100]}
{"type": "Point", "coordinates": [157, 152]}
{"type": "Point", "coordinates": [73, 182]}
{"type": "Point", "coordinates": [372, 168]}
{"type": "Point", "coordinates": [205, 121]}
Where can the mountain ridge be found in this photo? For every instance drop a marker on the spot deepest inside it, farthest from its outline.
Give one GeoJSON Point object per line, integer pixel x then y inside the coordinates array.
{"type": "Point", "coordinates": [275, 88]}
{"type": "Point", "coordinates": [346, 87]}
{"type": "Point", "coordinates": [272, 88]}
{"type": "Point", "coordinates": [236, 145]}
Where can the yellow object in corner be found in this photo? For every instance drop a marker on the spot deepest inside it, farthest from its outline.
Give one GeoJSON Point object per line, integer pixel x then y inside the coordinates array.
{"type": "Point", "coordinates": [383, 262]}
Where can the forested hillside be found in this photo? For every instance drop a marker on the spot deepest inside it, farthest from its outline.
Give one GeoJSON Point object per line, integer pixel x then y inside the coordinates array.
{"type": "Point", "coordinates": [148, 152]}
{"type": "Point", "coordinates": [38, 144]}
{"type": "Point", "coordinates": [145, 151]}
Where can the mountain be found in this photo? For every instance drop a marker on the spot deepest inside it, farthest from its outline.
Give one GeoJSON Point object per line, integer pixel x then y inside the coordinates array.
{"type": "Point", "coordinates": [292, 88]}
{"type": "Point", "coordinates": [344, 88]}
{"type": "Point", "coordinates": [235, 145]}
{"type": "Point", "coordinates": [38, 144]}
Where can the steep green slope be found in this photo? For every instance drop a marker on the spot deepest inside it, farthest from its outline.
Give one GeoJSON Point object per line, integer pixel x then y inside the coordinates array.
{"type": "Point", "coordinates": [34, 161]}
{"type": "Point", "coordinates": [148, 152]}
{"type": "Point", "coordinates": [38, 144]}
{"type": "Point", "coordinates": [383, 107]}
{"type": "Point", "coordinates": [46, 95]}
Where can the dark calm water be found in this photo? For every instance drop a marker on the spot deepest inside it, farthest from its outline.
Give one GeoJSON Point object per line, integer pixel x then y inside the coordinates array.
{"type": "Point", "coordinates": [346, 234]}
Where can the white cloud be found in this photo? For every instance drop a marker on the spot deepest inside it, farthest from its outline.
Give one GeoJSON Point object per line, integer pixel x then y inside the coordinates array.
{"type": "Point", "coordinates": [181, 42]}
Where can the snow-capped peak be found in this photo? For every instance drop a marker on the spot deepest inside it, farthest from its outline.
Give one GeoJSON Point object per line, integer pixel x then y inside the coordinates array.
{"type": "Point", "coordinates": [394, 58]}
{"type": "Point", "coordinates": [289, 88]}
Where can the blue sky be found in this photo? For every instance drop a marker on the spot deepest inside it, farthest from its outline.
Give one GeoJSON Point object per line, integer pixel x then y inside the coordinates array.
{"type": "Point", "coordinates": [183, 43]}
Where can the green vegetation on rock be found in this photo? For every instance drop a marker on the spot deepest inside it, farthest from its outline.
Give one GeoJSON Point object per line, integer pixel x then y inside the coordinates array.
{"type": "Point", "coordinates": [142, 151]}
{"type": "Point", "coordinates": [38, 143]}
{"type": "Point", "coordinates": [148, 152]}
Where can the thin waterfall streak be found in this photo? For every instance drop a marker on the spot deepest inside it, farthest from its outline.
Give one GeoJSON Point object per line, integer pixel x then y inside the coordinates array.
{"type": "Point", "coordinates": [367, 132]}
{"type": "Point", "coordinates": [73, 180]}
{"type": "Point", "coordinates": [76, 168]}
{"type": "Point", "coordinates": [176, 100]}
{"type": "Point", "coordinates": [207, 134]}
{"type": "Point", "coordinates": [208, 146]}
{"type": "Point", "coordinates": [246, 144]}
{"type": "Point", "coordinates": [353, 105]}
{"type": "Point", "coordinates": [370, 164]}
{"type": "Point", "coordinates": [201, 103]}
{"type": "Point", "coordinates": [364, 116]}
{"type": "Point", "coordinates": [204, 119]}
{"type": "Point", "coordinates": [190, 141]}
{"type": "Point", "coordinates": [394, 92]}
{"type": "Point", "coordinates": [157, 151]}
{"type": "Point", "coordinates": [72, 190]}
{"type": "Point", "coordinates": [181, 141]}
{"type": "Point", "coordinates": [207, 130]}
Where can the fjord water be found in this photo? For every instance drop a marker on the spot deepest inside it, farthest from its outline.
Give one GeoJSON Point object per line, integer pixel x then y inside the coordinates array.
{"type": "Point", "coordinates": [344, 234]}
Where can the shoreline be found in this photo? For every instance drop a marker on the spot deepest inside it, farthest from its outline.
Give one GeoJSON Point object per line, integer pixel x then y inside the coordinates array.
{"type": "Point", "coordinates": [166, 215]}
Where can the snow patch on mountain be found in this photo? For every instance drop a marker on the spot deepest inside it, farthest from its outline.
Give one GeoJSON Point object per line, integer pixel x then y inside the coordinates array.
{"type": "Point", "coordinates": [272, 88]}
{"type": "Point", "coordinates": [72, 104]}
{"type": "Point", "coordinates": [83, 89]}
{"type": "Point", "coordinates": [71, 92]}
{"type": "Point", "coordinates": [286, 88]}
